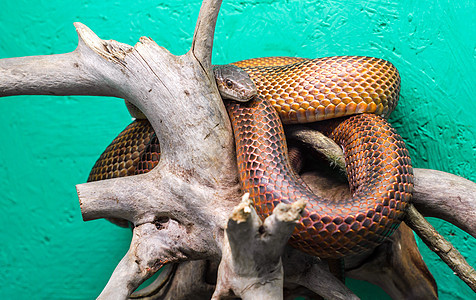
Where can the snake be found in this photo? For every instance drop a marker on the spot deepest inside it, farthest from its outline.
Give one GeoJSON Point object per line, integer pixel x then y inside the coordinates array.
{"type": "Point", "coordinates": [351, 97]}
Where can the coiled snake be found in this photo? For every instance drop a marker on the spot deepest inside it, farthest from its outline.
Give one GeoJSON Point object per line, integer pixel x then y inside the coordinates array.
{"type": "Point", "coordinates": [298, 90]}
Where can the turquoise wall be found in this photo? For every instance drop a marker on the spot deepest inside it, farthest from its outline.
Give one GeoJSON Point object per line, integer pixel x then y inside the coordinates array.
{"type": "Point", "coordinates": [49, 144]}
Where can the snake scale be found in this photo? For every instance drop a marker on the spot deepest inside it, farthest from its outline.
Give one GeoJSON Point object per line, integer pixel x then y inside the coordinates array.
{"type": "Point", "coordinates": [354, 95]}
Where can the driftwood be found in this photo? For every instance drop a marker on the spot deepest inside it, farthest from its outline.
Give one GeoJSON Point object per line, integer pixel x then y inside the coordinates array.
{"type": "Point", "coordinates": [182, 209]}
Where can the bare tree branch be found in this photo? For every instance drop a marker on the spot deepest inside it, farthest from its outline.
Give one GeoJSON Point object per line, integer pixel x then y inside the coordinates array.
{"type": "Point", "coordinates": [447, 197]}
{"type": "Point", "coordinates": [318, 142]}
{"type": "Point", "coordinates": [125, 198]}
{"type": "Point", "coordinates": [204, 33]}
{"type": "Point", "coordinates": [154, 244]}
{"type": "Point", "coordinates": [165, 276]}
{"type": "Point", "coordinates": [251, 266]}
{"type": "Point", "coordinates": [128, 275]}
{"type": "Point", "coordinates": [438, 244]}
{"type": "Point", "coordinates": [188, 280]}
{"type": "Point", "coordinates": [81, 72]}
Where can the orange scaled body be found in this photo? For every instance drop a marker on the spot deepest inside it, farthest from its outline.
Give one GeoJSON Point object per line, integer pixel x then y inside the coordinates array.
{"type": "Point", "coordinates": [298, 90]}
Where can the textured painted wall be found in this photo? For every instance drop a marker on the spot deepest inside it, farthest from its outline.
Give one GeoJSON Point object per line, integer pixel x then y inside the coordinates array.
{"type": "Point", "coordinates": [48, 144]}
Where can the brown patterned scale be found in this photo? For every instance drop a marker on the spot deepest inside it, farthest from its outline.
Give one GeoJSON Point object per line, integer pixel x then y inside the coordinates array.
{"type": "Point", "coordinates": [378, 165]}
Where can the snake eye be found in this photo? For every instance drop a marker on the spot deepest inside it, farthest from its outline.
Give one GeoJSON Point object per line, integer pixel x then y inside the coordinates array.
{"type": "Point", "coordinates": [229, 83]}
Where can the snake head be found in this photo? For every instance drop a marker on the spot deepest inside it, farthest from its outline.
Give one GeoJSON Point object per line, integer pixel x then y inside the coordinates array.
{"type": "Point", "coordinates": [234, 83]}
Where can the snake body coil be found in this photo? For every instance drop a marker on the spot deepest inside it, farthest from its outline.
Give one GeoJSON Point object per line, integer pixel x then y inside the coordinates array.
{"type": "Point", "coordinates": [378, 164]}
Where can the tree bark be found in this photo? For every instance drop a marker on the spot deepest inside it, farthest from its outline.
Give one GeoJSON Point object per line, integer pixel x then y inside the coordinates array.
{"type": "Point", "coordinates": [181, 209]}
{"type": "Point", "coordinates": [251, 265]}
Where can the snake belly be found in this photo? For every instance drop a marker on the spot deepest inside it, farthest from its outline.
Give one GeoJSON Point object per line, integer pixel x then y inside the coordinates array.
{"type": "Point", "coordinates": [296, 90]}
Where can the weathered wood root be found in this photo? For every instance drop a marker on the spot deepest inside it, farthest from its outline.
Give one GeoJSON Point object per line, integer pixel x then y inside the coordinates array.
{"type": "Point", "coordinates": [180, 209]}
{"type": "Point", "coordinates": [444, 249]}
{"type": "Point", "coordinates": [251, 265]}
